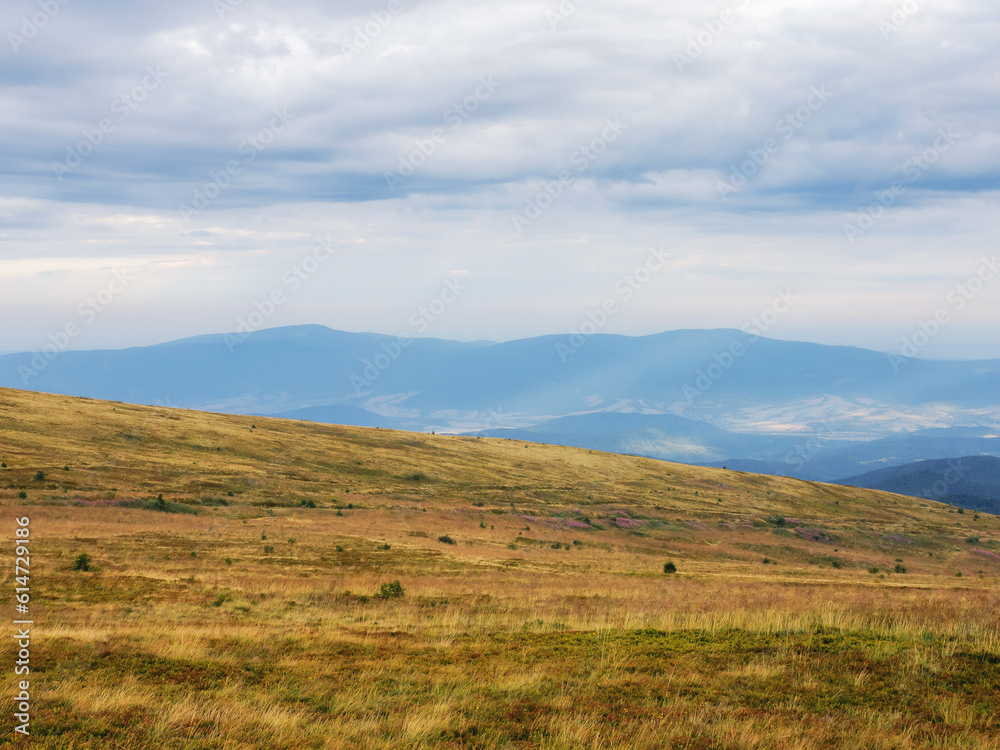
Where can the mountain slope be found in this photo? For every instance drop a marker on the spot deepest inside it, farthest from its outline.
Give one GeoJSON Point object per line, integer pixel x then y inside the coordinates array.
{"type": "Point", "coordinates": [256, 582]}
{"type": "Point", "coordinates": [970, 482]}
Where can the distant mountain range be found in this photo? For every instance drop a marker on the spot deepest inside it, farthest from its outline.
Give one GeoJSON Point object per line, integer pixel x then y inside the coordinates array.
{"type": "Point", "coordinates": [970, 482]}
{"type": "Point", "coordinates": [713, 397]}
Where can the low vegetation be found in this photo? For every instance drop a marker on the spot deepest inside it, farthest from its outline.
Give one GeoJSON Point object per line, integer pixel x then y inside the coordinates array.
{"type": "Point", "coordinates": [634, 610]}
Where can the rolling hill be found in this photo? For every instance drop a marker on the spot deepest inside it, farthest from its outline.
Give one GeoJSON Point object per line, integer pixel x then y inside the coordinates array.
{"type": "Point", "coordinates": [971, 482]}
{"type": "Point", "coordinates": [216, 581]}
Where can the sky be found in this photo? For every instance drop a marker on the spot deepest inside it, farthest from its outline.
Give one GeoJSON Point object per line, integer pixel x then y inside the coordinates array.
{"type": "Point", "coordinates": [815, 171]}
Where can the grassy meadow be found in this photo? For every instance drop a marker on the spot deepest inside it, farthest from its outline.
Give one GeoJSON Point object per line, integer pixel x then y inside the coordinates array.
{"type": "Point", "coordinates": [258, 583]}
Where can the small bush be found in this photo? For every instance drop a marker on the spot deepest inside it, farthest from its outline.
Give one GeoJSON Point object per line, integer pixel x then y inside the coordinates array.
{"type": "Point", "coordinates": [308, 503]}
{"type": "Point", "coordinates": [958, 574]}
{"type": "Point", "coordinates": [511, 545]}
{"type": "Point", "coordinates": [392, 590]}
{"type": "Point", "coordinates": [669, 567]}
{"type": "Point", "coordinates": [766, 561]}
{"type": "Point", "coordinates": [40, 476]}
{"type": "Point", "coordinates": [384, 546]}
{"type": "Point", "coordinates": [899, 568]}
{"type": "Point", "coordinates": [445, 539]}
{"type": "Point", "coordinates": [556, 545]}
{"type": "Point", "coordinates": [220, 600]}
{"type": "Point", "coordinates": [339, 548]}
{"type": "Point", "coordinates": [838, 564]}
{"type": "Point", "coordinates": [873, 569]}
{"type": "Point", "coordinates": [972, 540]}
{"type": "Point", "coordinates": [268, 548]}
{"type": "Point", "coordinates": [82, 562]}
{"type": "Point", "coordinates": [339, 512]}
{"type": "Point", "coordinates": [577, 543]}
{"type": "Point", "coordinates": [229, 561]}
{"type": "Point", "coordinates": [291, 540]}
{"type": "Point", "coordinates": [23, 495]}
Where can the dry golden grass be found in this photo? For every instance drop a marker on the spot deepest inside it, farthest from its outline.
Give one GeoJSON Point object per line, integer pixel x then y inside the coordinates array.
{"type": "Point", "coordinates": [547, 624]}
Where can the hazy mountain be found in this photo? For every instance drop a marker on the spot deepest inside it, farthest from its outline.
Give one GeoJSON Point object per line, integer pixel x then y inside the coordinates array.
{"type": "Point", "coordinates": [725, 377]}
{"type": "Point", "coordinates": [971, 482]}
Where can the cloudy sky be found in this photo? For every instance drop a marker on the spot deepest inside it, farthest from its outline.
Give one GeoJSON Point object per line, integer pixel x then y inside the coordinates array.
{"type": "Point", "coordinates": [828, 169]}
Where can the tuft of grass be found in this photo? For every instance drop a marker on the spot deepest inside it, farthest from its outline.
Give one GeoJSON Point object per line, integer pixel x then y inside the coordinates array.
{"type": "Point", "coordinates": [391, 590]}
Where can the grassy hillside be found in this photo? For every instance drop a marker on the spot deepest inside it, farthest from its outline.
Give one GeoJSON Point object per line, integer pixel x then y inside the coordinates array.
{"type": "Point", "coordinates": [241, 594]}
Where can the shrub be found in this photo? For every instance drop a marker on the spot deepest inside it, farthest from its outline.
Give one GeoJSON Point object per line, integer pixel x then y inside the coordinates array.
{"type": "Point", "coordinates": [384, 546]}
{"type": "Point", "coordinates": [899, 568]}
{"type": "Point", "coordinates": [972, 539]}
{"type": "Point", "coordinates": [511, 545]}
{"type": "Point", "coordinates": [669, 567]}
{"type": "Point", "coordinates": [82, 562]}
{"type": "Point", "coordinates": [229, 561]}
{"type": "Point", "coordinates": [392, 590]}
{"type": "Point", "coordinates": [766, 561]}
{"type": "Point", "coordinates": [340, 548]}
{"type": "Point", "coordinates": [839, 564]}
{"type": "Point", "coordinates": [40, 475]}
{"type": "Point", "coordinates": [445, 539]}
{"type": "Point", "coordinates": [958, 574]}
{"type": "Point", "coordinates": [23, 495]}
{"type": "Point", "coordinates": [308, 503]}
{"type": "Point", "coordinates": [339, 512]}
{"type": "Point", "coordinates": [268, 548]}
{"type": "Point", "coordinates": [291, 540]}
{"type": "Point", "coordinates": [873, 569]}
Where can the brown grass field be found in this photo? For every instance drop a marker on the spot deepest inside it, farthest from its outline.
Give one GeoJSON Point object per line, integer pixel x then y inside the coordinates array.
{"type": "Point", "coordinates": [223, 610]}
